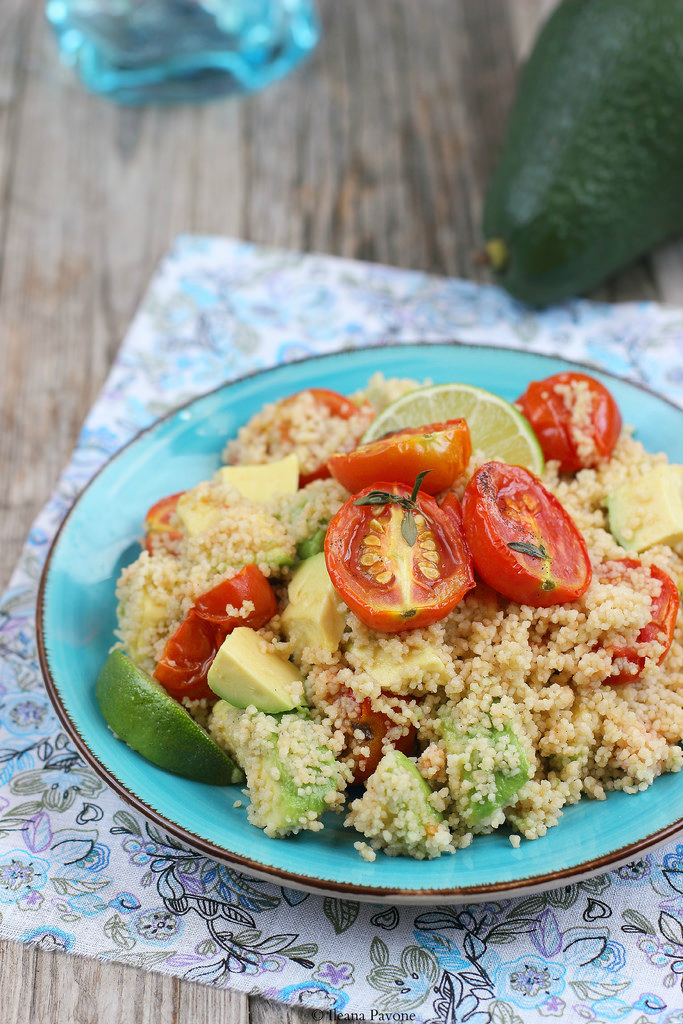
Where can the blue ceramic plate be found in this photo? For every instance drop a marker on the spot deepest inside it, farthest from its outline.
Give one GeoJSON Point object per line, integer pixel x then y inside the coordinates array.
{"type": "Point", "coordinates": [77, 614]}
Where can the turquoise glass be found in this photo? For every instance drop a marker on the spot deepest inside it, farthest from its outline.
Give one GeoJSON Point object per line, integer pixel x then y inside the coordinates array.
{"type": "Point", "coordinates": [137, 52]}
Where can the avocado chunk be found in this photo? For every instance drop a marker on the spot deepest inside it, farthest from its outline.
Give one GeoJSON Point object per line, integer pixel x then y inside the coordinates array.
{"type": "Point", "coordinates": [243, 674]}
{"type": "Point", "coordinates": [212, 508]}
{"type": "Point", "coordinates": [313, 617]}
{"type": "Point", "coordinates": [590, 173]}
{"type": "Point", "coordinates": [292, 775]}
{"type": "Point", "coordinates": [648, 510]}
{"type": "Point", "coordinates": [264, 482]}
{"type": "Point", "coordinates": [486, 768]}
{"type": "Point", "coordinates": [397, 670]}
{"type": "Point", "coordinates": [198, 510]}
{"type": "Point", "coordinates": [396, 812]}
{"type": "Point", "coordinates": [312, 545]}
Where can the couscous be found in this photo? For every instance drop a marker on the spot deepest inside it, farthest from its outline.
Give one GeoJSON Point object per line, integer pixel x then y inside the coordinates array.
{"type": "Point", "coordinates": [538, 665]}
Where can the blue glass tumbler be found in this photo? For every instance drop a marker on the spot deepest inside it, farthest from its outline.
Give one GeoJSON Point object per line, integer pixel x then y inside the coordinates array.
{"type": "Point", "coordinates": [169, 51]}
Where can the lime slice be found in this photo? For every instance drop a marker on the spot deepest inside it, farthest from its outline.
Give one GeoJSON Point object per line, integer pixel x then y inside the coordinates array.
{"type": "Point", "coordinates": [496, 427]}
{"type": "Point", "coordinates": [142, 714]}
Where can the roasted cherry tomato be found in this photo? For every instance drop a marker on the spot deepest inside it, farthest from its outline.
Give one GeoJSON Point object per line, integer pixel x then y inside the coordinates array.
{"type": "Point", "coordinates": [390, 583]}
{"type": "Point", "coordinates": [158, 521]}
{"type": "Point", "coordinates": [660, 628]}
{"type": "Point", "coordinates": [337, 405]}
{"type": "Point", "coordinates": [442, 448]}
{"type": "Point", "coordinates": [248, 585]}
{"type": "Point", "coordinates": [188, 653]}
{"type": "Point", "coordinates": [187, 657]}
{"type": "Point", "coordinates": [578, 427]}
{"type": "Point", "coordinates": [374, 725]}
{"type": "Point", "coordinates": [522, 541]}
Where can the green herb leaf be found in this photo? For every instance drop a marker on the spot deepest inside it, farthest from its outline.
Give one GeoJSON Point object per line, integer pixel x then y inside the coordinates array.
{"type": "Point", "coordinates": [418, 483]}
{"type": "Point", "coordinates": [409, 506]}
{"type": "Point", "coordinates": [408, 528]}
{"type": "Point", "coordinates": [375, 498]}
{"type": "Point", "coordinates": [548, 585]}
{"type": "Point", "coordinates": [528, 549]}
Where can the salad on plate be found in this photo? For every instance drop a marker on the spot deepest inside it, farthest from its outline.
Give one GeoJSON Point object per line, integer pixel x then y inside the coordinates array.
{"type": "Point", "coordinates": [431, 611]}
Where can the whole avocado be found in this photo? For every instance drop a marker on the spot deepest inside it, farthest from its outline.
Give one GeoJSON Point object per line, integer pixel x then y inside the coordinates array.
{"type": "Point", "coordinates": [591, 174]}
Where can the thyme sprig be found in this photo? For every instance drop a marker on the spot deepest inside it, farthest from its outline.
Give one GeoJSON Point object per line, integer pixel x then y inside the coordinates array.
{"type": "Point", "coordinates": [409, 506]}
{"type": "Point", "coordinates": [529, 549]}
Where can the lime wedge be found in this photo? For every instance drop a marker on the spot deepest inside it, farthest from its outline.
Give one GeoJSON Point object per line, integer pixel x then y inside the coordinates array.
{"type": "Point", "coordinates": [142, 714]}
{"type": "Point", "coordinates": [496, 427]}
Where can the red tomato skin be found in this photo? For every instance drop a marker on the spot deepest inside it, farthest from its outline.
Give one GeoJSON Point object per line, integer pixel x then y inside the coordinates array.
{"type": "Point", "coordinates": [337, 405]}
{"type": "Point", "coordinates": [157, 521]}
{"type": "Point", "coordinates": [551, 421]}
{"type": "Point", "coordinates": [321, 473]}
{"type": "Point", "coordinates": [442, 448]}
{"type": "Point", "coordinates": [248, 585]}
{"type": "Point", "coordinates": [188, 653]}
{"type": "Point", "coordinates": [385, 608]}
{"type": "Point", "coordinates": [661, 627]}
{"type": "Point", "coordinates": [504, 504]}
{"type": "Point", "coordinates": [375, 724]}
{"type": "Point", "coordinates": [187, 657]}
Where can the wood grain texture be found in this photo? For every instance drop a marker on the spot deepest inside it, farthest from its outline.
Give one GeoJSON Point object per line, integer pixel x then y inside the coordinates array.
{"type": "Point", "coordinates": [378, 149]}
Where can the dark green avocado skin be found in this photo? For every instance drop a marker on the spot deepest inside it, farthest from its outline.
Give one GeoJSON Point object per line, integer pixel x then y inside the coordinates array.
{"type": "Point", "coordinates": [591, 174]}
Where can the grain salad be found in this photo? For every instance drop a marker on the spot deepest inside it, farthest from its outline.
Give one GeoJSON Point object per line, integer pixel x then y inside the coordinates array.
{"type": "Point", "coordinates": [541, 660]}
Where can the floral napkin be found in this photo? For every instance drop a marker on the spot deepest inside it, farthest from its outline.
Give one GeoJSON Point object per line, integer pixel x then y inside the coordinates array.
{"type": "Point", "coordinates": [82, 873]}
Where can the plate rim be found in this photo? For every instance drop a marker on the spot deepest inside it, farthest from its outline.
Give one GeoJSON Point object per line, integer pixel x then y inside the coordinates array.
{"type": "Point", "coordinates": [322, 886]}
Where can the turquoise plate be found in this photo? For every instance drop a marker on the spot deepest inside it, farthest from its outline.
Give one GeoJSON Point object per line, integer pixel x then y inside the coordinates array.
{"type": "Point", "coordinates": [77, 614]}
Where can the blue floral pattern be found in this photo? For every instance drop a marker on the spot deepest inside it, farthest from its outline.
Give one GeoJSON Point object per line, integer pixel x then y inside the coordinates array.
{"type": "Point", "coordinates": [80, 872]}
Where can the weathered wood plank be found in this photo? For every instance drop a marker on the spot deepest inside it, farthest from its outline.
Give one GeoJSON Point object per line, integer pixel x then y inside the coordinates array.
{"type": "Point", "coordinates": [262, 1012]}
{"type": "Point", "coordinates": [199, 1003]}
{"type": "Point", "coordinates": [526, 19]}
{"type": "Point", "coordinates": [55, 987]}
{"type": "Point", "coordinates": [15, 18]}
{"type": "Point", "coordinates": [667, 269]}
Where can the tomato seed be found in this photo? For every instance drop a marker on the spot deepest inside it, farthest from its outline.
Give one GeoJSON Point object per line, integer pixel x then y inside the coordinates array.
{"type": "Point", "coordinates": [369, 558]}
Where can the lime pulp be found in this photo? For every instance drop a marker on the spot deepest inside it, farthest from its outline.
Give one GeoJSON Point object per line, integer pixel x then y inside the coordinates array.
{"type": "Point", "coordinates": [498, 430]}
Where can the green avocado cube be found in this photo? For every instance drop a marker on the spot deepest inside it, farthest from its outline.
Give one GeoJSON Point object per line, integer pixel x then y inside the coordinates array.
{"type": "Point", "coordinates": [486, 768]}
{"type": "Point", "coordinates": [245, 672]}
{"type": "Point", "coordinates": [396, 811]}
{"type": "Point", "coordinates": [292, 775]}
{"type": "Point", "coordinates": [314, 617]}
{"type": "Point", "coordinates": [265, 482]}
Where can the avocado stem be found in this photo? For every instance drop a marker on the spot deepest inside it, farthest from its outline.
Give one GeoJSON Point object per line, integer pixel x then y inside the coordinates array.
{"type": "Point", "coordinates": [497, 253]}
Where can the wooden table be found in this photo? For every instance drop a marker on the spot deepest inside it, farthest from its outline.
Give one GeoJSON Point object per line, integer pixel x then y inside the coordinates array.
{"type": "Point", "coordinates": [379, 149]}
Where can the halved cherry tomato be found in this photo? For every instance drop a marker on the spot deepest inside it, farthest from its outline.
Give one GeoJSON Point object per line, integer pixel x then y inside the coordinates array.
{"type": "Point", "coordinates": [158, 521]}
{"type": "Point", "coordinates": [337, 405]}
{"type": "Point", "coordinates": [442, 448]}
{"type": "Point", "coordinates": [188, 653]}
{"type": "Point", "coordinates": [522, 541]}
{"type": "Point", "coordinates": [661, 626]}
{"type": "Point", "coordinates": [390, 584]}
{"type": "Point", "coordinates": [374, 725]}
{"type": "Point", "coordinates": [248, 585]}
{"type": "Point", "coordinates": [187, 657]}
{"type": "Point", "coordinates": [574, 443]}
